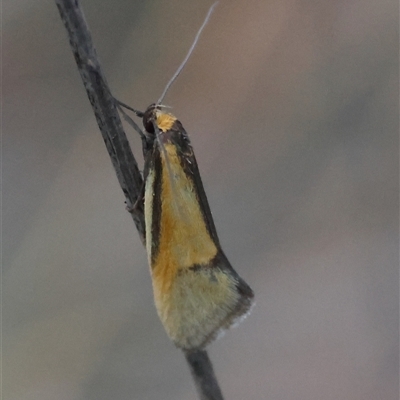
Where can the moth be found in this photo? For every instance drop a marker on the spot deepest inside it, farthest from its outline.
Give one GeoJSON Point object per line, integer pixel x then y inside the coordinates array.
{"type": "Point", "coordinates": [197, 293]}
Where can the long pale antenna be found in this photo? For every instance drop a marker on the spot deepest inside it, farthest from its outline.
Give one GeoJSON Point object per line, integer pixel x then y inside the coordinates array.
{"type": "Point", "coordinates": [179, 70]}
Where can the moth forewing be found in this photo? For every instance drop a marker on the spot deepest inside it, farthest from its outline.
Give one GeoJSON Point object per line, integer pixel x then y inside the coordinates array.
{"type": "Point", "coordinates": [197, 292]}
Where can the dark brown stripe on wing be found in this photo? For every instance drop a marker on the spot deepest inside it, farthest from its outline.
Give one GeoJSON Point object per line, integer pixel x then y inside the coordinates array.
{"type": "Point", "coordinates": [157, 202]}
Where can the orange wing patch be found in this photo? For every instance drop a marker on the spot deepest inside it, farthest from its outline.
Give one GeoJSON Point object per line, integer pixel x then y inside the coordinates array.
{"type": "Point", "coordinates": [184, 240]}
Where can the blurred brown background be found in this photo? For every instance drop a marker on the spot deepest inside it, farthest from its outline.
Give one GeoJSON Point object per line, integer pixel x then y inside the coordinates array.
{"type": "Point", "coordinates": [292, 108]}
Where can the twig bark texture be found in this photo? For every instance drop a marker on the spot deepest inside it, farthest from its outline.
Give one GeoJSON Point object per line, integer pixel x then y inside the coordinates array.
{"type": "Point", "coordinates": [103, 105]}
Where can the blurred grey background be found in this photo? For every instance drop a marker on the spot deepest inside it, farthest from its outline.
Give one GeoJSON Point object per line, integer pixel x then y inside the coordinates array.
{"type": "Point", "coordinates": [292, 108]}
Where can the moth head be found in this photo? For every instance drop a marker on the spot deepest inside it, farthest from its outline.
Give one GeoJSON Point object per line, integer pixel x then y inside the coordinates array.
{"type": "Point", "coordinates": [150, 118]}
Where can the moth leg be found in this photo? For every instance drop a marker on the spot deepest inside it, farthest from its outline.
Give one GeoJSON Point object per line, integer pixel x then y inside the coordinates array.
{"type": "Point", "coordinates": [120, 106]}
{"type": "Point", "coordinates": [138, 205]}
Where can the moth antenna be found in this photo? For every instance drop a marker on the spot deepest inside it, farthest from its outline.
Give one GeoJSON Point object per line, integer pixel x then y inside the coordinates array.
{"type": "Point", "coordinates": [179, 70]}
